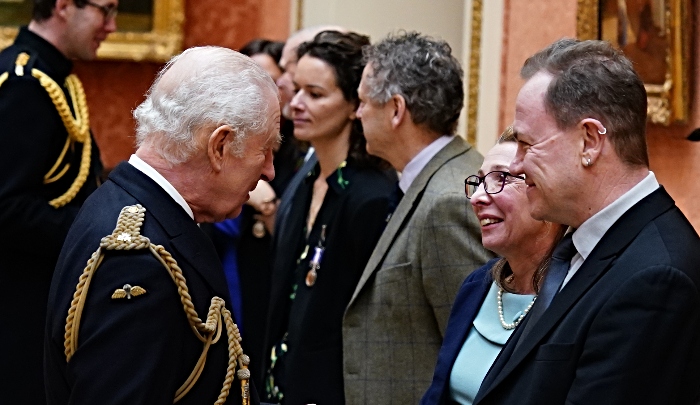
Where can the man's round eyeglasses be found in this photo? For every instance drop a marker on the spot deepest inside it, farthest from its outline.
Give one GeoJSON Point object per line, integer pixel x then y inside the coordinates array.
{"type": "Point", "coordinates": [493, 182]}
{"type": "Point", "coordinates": [109, 11]}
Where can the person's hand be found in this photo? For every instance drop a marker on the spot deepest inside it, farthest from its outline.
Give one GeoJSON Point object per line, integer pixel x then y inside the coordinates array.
{"type": "Point", "coordinates": [264, 200]}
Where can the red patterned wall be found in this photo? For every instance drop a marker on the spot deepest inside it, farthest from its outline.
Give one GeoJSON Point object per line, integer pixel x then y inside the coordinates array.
{"type": "Point", "coordinates": [114, 88]}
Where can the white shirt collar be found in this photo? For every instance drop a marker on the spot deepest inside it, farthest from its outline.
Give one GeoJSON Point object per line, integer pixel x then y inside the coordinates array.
{"type": "Point", "coordinates": [416, 165]}
{"type": "Point", "coordinates": [149, 171]}
{"type": "Point", "coordinates": [587, 236]}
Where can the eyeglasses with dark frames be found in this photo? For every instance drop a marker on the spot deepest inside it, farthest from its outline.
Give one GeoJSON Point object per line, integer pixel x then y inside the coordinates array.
{"type": "Point", "coordinates": [493, 182]}
{"type": "Point", "coordinates": [109, 11]}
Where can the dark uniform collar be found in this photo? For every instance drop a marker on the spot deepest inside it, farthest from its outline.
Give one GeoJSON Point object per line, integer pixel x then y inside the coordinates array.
{"type": "Point", "coordinates": [60, 65]}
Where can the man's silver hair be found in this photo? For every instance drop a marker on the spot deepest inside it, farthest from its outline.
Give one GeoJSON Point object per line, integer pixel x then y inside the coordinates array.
{"type": "Point", "coordinates": [221, 87]}
{"type": "Point", "coordinates": [424, 72]}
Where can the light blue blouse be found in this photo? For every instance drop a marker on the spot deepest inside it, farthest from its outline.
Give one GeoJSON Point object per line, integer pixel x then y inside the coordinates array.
{"type": "Point", "coordinates": [485, 340]}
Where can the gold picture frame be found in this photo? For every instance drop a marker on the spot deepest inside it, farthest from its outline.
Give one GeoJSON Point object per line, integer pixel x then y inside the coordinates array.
{"type": "Point", "coordinates": [158, 42]}
{"type": "Point", "coordinates": [655, 35]}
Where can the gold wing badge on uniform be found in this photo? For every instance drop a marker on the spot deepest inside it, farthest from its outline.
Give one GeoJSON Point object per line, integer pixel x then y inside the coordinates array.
{"type": "Point", "coordinates": [127, 291]}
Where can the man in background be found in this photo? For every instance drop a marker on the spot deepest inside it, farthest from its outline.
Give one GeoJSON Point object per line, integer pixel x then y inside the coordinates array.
{"type": "Point", "coordinates": [49, 164]}
{"type": "Point", "coordinates": [411, 96]}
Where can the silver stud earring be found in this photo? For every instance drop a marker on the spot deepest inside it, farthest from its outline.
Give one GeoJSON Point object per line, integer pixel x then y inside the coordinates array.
{"type": "Point", "coordinates": [588, 162]}
{"type": "Point", "coordinates": [603, 132]}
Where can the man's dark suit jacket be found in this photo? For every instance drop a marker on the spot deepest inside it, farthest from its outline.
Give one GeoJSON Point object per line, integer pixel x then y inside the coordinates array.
{"type": "Point", "coordinates": [464, 310]}
{"type": "Point", "coordinates": [141, 350]}
{"type": "Point", "coordinates": [624, 330]}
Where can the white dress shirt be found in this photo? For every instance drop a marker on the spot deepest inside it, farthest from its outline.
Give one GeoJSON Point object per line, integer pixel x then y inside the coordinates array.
{"type": "Point", "coordinates": [416, 165]}
{"type": "Point", "coordinates": [587, 236]}
{"type": "Point", "coordinates": [149, 171]}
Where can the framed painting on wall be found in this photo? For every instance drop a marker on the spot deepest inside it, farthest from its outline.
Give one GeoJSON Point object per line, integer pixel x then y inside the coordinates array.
{"type": "Point", "coordinates": [147, 29]}
{"type": "Point", "coordinates": [654, 35]}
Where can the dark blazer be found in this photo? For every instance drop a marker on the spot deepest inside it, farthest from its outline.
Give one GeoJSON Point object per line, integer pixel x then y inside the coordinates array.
{"type": "Point", "coordinates": [136, 351]}
{"type": "Point", "coordinates": [394, 324]}
{"type": "Point", "coordinates": [32, 232]}
{"type": "Point", "coordinates": [354, 211]}
{"type": "Point", "coordinates": [624, 330]}
{"type": "Point", "coordinates": [465, 308]}
{"type": "Point", "coordinates": [286, 200]}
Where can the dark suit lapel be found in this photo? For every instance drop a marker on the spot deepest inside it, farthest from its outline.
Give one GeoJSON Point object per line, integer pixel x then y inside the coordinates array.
{"type": "Point", "coordinates": [601, 259]}
{"type": "Point", "coordinates": [281, 224]}
{"type": "Point", "coordinates": [190, 243]}
{"type": "Point", "coordinates": [406, 207]}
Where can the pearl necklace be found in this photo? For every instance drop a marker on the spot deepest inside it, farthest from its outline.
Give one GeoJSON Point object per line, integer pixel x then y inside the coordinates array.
{"type": "Point", "coordinates": [509, 326]}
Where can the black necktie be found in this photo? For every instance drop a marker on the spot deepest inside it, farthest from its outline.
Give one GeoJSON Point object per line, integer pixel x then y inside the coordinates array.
{"type": "Point", "coordinates": [394, 200]}
{"type": "Point", "coordinates": [558, 267]}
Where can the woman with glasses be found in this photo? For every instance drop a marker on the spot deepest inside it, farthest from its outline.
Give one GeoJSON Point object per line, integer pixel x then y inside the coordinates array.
{"type": "Point", "coordinates": [495, 298]}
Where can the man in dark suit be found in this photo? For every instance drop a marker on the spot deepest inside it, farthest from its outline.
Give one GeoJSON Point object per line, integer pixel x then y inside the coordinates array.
{"type": "Point", "coordinates": [623, 326]}
{"type": "Point", "coordinates": [411, 96]}
{"type": "Point", "coordinates": [49, 164]}
{"type": "Point", "coordinates": [130, 327]}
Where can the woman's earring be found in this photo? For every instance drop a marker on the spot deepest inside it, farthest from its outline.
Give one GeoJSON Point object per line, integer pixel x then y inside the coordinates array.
{"type": "Point", "coordinates": [603, 132]}
{"type": "Point", "coordinates": [588, 162]}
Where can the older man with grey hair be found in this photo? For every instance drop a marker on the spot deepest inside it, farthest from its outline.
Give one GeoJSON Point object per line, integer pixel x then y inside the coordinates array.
{"type": "Point", "coordinates": [411, 95]}
{"type": "Point", "coordinates": [139, 310]}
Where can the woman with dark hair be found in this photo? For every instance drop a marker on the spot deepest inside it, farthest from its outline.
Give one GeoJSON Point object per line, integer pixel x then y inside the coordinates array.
{"type": "Point", "coordinates": [336, 218]}
{"type": "Point", "coordinates": [495, 298]}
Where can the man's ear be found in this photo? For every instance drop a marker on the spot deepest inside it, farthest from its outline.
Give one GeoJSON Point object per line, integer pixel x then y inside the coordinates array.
{"type": "Point", "coordinates": [594, 136]}
{"type": "Point", "coordinates": [61, 7]}
{"type": "Point", "coordinates": [398, 110]}
{"type": "Point", "coordinates": [217, 146]}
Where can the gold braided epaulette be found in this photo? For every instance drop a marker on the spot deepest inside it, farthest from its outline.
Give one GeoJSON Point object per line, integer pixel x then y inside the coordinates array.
{"type": "Point", "coordinates": [127, 236]}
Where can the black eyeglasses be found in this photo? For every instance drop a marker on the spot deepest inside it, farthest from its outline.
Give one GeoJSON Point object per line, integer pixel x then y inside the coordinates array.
{"type": "Point", "coordinates": [493, 182]}
{"type": "Point", "coordinates": [109, 11]}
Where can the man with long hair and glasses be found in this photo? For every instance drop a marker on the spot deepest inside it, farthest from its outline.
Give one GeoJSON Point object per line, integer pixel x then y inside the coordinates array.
{"type": "Point", "coordinates": [49, 164]}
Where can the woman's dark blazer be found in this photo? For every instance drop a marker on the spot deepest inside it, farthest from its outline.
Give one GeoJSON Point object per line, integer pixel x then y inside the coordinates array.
{"type": "Point", "coordinates": [354, 211]}
{"type": "Point", "coordinates": [465, 308]}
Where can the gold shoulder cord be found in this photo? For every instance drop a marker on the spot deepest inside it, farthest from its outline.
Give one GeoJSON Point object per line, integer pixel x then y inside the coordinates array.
{"type": "Point", "coordinates": [126, 236]}
{"type": "Point", "coordinates": [78, 128]}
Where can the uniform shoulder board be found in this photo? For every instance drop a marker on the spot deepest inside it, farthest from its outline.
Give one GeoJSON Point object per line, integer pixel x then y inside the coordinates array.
{"type": "Point", "coordinates": [22, 65]}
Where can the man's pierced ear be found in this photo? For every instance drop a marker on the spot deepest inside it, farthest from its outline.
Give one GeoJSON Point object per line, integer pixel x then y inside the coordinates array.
{"type": "Point", "coordinates": [598, 126]}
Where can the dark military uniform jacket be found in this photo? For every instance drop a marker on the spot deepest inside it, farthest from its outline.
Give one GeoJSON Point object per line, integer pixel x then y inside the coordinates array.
{"type": "Point", "coordinates": [135, 351]}
{"type": "Point", "coordinates": [31, 231]}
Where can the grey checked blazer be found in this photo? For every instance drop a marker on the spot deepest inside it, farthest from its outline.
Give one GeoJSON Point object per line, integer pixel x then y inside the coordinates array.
{"type": "Point", "coordinates": [394, 324]}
